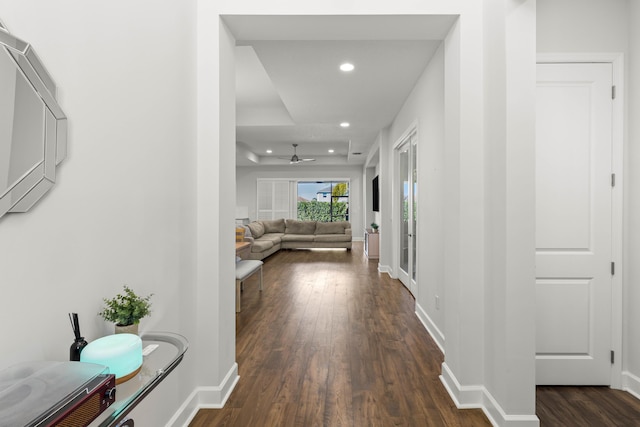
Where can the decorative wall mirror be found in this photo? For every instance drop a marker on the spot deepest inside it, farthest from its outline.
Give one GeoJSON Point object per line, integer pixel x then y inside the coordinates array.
{"type": "Point", "coordinates": [33, 128]}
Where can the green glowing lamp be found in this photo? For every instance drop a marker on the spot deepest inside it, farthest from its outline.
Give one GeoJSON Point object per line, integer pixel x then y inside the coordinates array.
{"type": "Point", "coordinates": [121, 353]}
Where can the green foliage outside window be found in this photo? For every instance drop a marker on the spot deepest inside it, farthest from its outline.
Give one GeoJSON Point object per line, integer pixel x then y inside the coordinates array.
{"type": "Point", "coordinates": [340, 189]}
{"type": "Point", "coordinates": [321, 211]}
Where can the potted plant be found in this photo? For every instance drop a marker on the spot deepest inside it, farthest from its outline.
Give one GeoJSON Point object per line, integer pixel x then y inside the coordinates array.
{"type": "Point", "coordinates": [374, 227]}
{"type": "Point", "coordinates": [126, 310]}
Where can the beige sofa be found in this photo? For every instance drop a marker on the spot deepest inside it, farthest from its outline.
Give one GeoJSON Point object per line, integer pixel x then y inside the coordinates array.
{"type": "Point", "coordinates": [268, 237]}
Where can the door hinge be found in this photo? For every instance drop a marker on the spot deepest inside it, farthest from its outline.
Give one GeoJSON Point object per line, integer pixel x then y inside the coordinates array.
{"type": "Point", "coordinates": [612, 356]}
{"type": "Point", "coordinates": [613, 179]}
{"type": "Point", "coordinates": [613, 268]}
{"type": "Point", "coordinates": [613, 92]}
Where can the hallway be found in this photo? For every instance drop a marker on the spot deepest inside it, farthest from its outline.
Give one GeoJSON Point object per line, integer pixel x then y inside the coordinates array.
{"type": "Point", "coordinates": [332, 342]}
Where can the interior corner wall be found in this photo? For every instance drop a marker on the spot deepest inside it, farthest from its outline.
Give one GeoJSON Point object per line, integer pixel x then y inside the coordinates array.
{"type": "Point", "coordinates": [122, 210]}
{"type": "Point", "coordinates": [631, 355]}
{"type": "Point", "coordinates": [386, 261]}
{"type": "Point", "coordinates": [247, 176]}
{"type": "Point", "coordinates": [509, 135]}
{"type": "Point", "coordinates": [368, 174]}
{"type": "Point", "coordinates": [377, 218]}
{"type": "Point", "coordinates": [425, 107]}
{"type": "Point", "coordinates": [215, 355]}
{"type": "Point", "coordinates": [371, 170]}
{"type": "Point", "coordinates": [463, 210]}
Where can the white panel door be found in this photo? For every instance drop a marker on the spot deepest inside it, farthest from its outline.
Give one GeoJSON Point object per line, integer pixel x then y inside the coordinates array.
{"type": "Point", "coordinates": [573, 224]}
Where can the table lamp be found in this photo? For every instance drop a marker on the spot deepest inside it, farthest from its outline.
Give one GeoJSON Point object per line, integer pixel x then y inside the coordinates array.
{"type": "Point", "coordinates": [122, 353]}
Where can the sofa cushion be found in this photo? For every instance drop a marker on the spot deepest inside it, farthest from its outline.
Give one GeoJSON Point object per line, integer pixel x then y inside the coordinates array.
{"type": "Point", "coordinates": [273, 226]}
{"type": "Point", "coordinates": [332, 238]}
{"type": "Point", "coordinates": [331, 227]}
{"type": "Point", "coordinates": [274, 237]}
{"type": "Point", "coordinates": [298, 237]}
{"type": "Point", "coordinates": [261, 245]}
{"type": "Point", "coordinates": [300, 227]}
{"type": "Point", "coordinates": [257, 229]}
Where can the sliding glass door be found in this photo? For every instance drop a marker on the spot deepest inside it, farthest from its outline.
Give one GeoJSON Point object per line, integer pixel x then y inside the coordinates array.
{"type": "Point", "coordinates": [324, 201]}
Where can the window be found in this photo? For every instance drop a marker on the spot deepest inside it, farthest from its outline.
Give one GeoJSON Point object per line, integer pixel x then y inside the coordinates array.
{"type": "Point", "coordinates": [324, 201]}
{"type": "Point", "coordinates": [273, 199]}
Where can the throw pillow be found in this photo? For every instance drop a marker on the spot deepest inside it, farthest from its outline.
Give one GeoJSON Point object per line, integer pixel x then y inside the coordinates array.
{"type": "Point", "coordinates": [300, 227]}
{"type": "Point", "coordinates": [273, 226]}
{"type": "Point", "coordinates": [257, 230]}
{"type": "Point", "coordinates": [330, 227]}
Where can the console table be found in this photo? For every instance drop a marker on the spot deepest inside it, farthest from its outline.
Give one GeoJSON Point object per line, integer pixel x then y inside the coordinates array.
{"type": "Point", "coordinates": [371, 244]}
{"type": "Point", "coordinates": [36, 393]}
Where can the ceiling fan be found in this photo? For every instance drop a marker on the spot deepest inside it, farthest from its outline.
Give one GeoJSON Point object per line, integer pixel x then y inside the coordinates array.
{"type": "Point", "coordinates": [294, 160]}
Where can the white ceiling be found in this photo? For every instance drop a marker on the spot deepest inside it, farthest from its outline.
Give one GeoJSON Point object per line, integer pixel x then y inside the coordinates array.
{"type": "Point", "coordinates": [289, 88]}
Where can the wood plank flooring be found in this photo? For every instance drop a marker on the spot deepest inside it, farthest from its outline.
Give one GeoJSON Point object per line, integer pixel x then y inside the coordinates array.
{"type": "Point", "coordinates": [586, 406]}
{"type": "Point", "coordinates": [331, 342]}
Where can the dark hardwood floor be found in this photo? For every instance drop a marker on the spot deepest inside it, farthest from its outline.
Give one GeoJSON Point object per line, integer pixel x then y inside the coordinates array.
{"type": "Point", "coordinates": [586, 406]}
{"type": "Point", "coordinates": [331, 342]}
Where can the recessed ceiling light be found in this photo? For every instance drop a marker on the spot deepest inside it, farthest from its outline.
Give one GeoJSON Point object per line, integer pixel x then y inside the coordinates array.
{"type": "Point", "coordinates": [331, 150]}
{"type": "Point", "coordinates": [347, 67]}
{"type": "Point", "coordinates": [345, 124]}
{"type": "Point", "coordinates": [269, 151]}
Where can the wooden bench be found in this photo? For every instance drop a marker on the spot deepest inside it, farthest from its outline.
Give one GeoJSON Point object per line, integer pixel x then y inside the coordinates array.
{"type": "Point", "coordinates": [244, 270]}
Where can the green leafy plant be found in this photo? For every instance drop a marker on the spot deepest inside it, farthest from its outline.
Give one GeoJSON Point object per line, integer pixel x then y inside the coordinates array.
{"type": "Point", "coordinates": [322, 211]}
{"type": "Point", "coordinates": [126, 308]}
{"type": "Point", "coordinates": [374, 226]}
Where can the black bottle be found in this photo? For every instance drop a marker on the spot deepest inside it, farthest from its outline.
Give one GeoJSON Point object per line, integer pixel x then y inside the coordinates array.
{"type": "Point", "coordinates": [76, 349]}
{"type": "Point", "coordinates": [79, 343]}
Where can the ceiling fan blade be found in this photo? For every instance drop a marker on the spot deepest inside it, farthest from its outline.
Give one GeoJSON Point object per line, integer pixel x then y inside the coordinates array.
{"type": "Point", "coordinates": [294, 160]}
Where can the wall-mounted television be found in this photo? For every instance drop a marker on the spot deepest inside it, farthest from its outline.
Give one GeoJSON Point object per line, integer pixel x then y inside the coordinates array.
{"type": "Point", "coordinates": [375, 189]}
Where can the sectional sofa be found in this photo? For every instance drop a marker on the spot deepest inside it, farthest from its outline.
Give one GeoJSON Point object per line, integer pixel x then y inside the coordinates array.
{"type": "Point", "coordinates": [268, 237]}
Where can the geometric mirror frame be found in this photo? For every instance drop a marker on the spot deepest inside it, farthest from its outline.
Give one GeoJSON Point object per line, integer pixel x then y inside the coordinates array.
{"type": "Point", "coordinates": [33, 127]}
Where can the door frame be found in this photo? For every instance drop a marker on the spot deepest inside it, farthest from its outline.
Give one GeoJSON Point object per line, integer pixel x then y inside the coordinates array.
{"type": "Point", "coordinates": [617, 200]}
{"type": "Point", "coordinates": [395, 206]}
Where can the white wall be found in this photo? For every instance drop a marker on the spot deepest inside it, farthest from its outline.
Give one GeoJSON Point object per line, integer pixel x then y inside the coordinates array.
{"type": "Point", "coordinates": [425, 108]}
{"type": "Point", "coordinates": [122, 211]}
{"type": "Point", "coordinates": [631, 361]}
{"type": "Point", "coordinates": [581, 25]}
{"type": "Point", "coordinates": [247, 176]}
{"type": "Point", "coordinates": [371, 170]}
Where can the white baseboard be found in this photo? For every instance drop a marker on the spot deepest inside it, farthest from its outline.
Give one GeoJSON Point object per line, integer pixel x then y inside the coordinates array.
{"type": "Point", "coordinates": [478, 397]}
{"type": "Point", "coordinates": [631, 384]}
{"type": "Point", "coordinates": [386, 269]}
{"type": "Point", "coordinates": [465, 397]}
{"type": "Point", "coordinates": [205, 397]}
{"type": "Point", "coordinates": [431, 327]}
